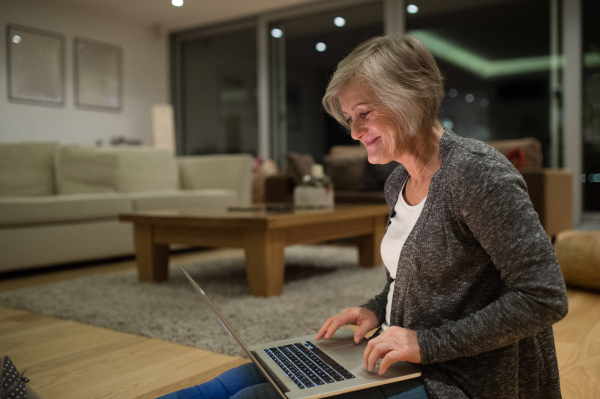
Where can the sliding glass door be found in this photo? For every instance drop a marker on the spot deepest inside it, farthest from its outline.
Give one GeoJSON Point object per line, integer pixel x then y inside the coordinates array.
{"type": "Point", "coordinates": [217, 92]}
{"type": "Point", "coordinates": [591, 106]}
{"type": "Point", "coordinates": [496, 60]}
{"type": "Point", "coordinates": [305, 51]}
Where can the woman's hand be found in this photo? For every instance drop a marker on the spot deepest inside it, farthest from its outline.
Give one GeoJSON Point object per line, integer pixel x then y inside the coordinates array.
{"type": "Point", "coordinates": [393, 345]}
{"type": "Point", "coordinates": [362, 317]}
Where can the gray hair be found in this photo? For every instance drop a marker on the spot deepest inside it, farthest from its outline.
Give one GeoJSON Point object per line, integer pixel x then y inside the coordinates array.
{"type": "Point", "coordinates": [402, 75]}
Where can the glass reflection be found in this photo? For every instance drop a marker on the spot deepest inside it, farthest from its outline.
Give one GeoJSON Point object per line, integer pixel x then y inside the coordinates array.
{"type": "Point", "coordinates": [591, 105]}
{"type": "Point", "coordinates": [496, 59]}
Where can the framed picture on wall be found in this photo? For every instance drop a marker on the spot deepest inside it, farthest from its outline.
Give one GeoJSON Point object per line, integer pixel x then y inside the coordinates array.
{"type": "Point", "coordinates": [98, 75]}
{"type": "Point", "coordinates": [35, 66]}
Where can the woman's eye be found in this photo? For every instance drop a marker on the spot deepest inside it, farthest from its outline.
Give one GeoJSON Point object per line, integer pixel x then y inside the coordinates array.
{"type": "Point", "coordinates": [364, 114]}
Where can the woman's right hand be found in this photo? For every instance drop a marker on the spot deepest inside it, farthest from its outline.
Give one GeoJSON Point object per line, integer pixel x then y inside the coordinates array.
{"type": "Point", "coordinates": [362, 317]}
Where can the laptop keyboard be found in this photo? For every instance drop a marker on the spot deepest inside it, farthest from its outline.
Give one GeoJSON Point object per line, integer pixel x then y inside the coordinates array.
{"type": "Point", "coordinates": [307, 365]}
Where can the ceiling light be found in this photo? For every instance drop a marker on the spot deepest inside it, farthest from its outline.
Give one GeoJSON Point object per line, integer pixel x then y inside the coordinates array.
{"type": "Point", "coordinates": [469, 98]}
{"type": "Point", "coordinates": [339, 21]}
{"type": "Point", "coordinates": [177, 3]}
{"type": "Point", "coordinates": [412, 9]}
{"type": "Point", "coordinates": [321, 47]}
{"type": "Point", "coordinates": [276, 33]}
{"type": "Point", "coordinates": [453, 93]}
{"type": "Point", "coordinates": [16, 39]}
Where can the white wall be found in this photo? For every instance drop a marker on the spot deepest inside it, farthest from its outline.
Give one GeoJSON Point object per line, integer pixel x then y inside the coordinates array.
{"type": "Point", "coordinates": [145, 74]}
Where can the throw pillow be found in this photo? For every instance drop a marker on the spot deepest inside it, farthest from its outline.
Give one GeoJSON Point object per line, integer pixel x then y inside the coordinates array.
{"type": "Point", "coordinates": [517, 157]}
{"type": "Point", "coordinates": [299, 165]}
{"type": "Point", "coordinates": [375, 176]}
{"type": "Point", "coordinates": [262, 171]}
{"type": "Point", "coordinates": [13, 384]}
{"type": "Point", "coordinates": [531, 146]}
{"type": "Point", "coordinates": [345, 172]}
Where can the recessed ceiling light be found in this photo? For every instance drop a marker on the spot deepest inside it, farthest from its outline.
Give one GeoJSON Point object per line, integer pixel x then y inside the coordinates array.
{"type": "Point", "coordinates": [321, 47]}
{"type": "Point", "coordinates": [412, 9]}
{"type": "Point", "coordinates": [177, 3]}
{"type": "Point", "coordinates": [453, 93]}
{"type": "Point", "coordinates": [276, 33]}
{"type": "Point", "coordinates": [339, 21]}
{"type": "Point", "coordinates": [469, 98]}
{"type": "Point", "coordinates": [16, 39]}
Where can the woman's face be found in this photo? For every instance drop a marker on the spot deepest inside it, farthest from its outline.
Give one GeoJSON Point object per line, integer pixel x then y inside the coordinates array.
{"type": "Point", "coordinates": [369, 124]}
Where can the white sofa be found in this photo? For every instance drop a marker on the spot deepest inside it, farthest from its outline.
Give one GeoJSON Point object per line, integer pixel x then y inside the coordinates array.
{"type": "Point", "coordinates": [60, 203]}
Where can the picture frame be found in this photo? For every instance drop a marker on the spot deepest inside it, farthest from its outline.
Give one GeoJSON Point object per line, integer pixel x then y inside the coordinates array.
{"type": "Point", "coordinates": [35, 66]}
{"type": "Point", "coordinates": [98, 74]}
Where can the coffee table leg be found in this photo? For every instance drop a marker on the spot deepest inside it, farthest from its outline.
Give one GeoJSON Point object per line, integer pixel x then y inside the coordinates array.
{"type": "Point", "coordinates": [152, 259]}
{"type": "Point", "coordinates": [265, 262]}
{"type": "Point", "coordinates": [369, 246]}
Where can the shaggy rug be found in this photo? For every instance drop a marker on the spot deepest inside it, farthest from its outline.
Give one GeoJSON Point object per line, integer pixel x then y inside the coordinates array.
{"type": "Point", "coordinates": [320, 281]}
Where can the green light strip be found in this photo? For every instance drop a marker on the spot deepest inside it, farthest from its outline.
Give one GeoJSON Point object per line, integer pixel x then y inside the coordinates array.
{"type": "Point", "coordinates": [485, 68]}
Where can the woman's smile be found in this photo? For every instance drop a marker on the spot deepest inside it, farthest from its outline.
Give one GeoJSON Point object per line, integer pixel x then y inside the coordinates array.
{"type": "Point", "coordinates": [370, 142]}
{"type": "Point", "coordinates": [368, 123]}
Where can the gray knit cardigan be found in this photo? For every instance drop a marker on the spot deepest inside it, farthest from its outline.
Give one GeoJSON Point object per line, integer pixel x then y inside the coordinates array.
{"type": "Point", "coordinates": [478, 280]}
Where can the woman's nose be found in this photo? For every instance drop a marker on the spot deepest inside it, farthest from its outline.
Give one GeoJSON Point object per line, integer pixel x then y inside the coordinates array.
{"type": "Point", "coordinates": [357, 131]}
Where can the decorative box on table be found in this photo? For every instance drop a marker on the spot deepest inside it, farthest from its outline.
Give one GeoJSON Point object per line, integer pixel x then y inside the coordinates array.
{"type": "Point", "coordinates": [316, 190]}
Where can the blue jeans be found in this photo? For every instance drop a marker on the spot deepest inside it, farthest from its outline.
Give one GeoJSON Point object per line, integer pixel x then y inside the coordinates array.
{"type": "Point", "coordinates": [247, 382]}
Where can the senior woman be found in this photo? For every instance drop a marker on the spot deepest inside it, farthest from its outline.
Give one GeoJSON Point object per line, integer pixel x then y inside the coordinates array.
{"type": "Point", "coordinates": [473, 284]}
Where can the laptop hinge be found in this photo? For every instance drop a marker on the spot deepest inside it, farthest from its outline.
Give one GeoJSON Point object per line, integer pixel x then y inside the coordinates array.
{"type": "Point", "coordinates": [276, 379]}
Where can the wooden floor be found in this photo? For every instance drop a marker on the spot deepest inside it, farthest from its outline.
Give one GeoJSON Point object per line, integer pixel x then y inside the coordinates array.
{"type": "Point", "coordinates": [69, 360]}
{"type": "Point", "coordinates": [65, 359]}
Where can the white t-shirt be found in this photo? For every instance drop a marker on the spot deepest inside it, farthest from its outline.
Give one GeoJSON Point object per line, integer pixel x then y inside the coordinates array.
{"type": "Point", "coordinates": [401, 224]}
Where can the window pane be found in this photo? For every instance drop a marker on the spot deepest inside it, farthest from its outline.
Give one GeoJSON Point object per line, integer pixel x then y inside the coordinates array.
{"type": "Point", "coordinates": [591, 106]}
{"type": "Point", "coordinates": [313, 47]}
{"type": "Point", "coordinates": [495, 59]}
{"type": "Point", "coordinates": [219, 91]}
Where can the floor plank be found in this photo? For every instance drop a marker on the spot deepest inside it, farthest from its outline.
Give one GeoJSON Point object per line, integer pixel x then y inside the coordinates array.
{"type": "Point", "coordinates": [67, 359]}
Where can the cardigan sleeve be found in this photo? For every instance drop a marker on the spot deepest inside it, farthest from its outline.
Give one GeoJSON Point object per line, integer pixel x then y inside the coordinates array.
{"type": "Point", "coordinates": [490, 199]}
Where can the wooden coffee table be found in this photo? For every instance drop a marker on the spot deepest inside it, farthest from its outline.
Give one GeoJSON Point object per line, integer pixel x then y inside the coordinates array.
{"type": "Point", "coordinates": [262, 234]}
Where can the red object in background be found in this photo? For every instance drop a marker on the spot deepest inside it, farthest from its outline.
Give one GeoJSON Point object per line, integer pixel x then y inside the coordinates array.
{"type": "Point", "coordinates": [258, 161]}
{"type": "Point", "coordinates": [517, 157]}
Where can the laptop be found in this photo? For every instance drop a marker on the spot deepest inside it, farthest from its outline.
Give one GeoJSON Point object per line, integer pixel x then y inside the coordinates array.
{"type": "Point", "coordinates": [302, 367]}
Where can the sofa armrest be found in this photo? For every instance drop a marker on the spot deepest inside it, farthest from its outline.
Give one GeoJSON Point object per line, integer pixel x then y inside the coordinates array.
{"type": "Point", "coordinates": [231, 171]}
{"type": "Point", "coordinates": [551, 194]}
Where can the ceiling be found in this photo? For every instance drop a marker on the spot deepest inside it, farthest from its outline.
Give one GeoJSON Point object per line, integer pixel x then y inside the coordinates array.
{"type": "Point", "coordinates": [193, 13]}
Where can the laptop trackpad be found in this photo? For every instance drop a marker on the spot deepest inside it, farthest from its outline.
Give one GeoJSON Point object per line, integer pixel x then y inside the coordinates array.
{"type": "Point", "coordinates": [350, 353]}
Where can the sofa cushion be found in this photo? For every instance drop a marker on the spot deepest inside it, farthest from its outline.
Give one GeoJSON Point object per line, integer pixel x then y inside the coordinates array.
{"type": "Point", "coordinates": [27, 169]}
{"type": "Point", "coordinates": [145, 169]}
{"type": "Point", "coordinates": [147, 201]}
{"type": "Point", "coordinates": [61, 208]}
{"type": "Point", "coordinates": [82, 169]}
{"type": "Point", "coordinates": [223, 171]}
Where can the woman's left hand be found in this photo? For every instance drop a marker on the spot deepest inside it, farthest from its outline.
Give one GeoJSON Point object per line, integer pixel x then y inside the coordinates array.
{"type": "Point", "coordinates": [394, 345]}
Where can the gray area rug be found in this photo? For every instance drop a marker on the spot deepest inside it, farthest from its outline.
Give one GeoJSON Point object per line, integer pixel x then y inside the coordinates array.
{"type": "Point", "coordinates": [320, 282]}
